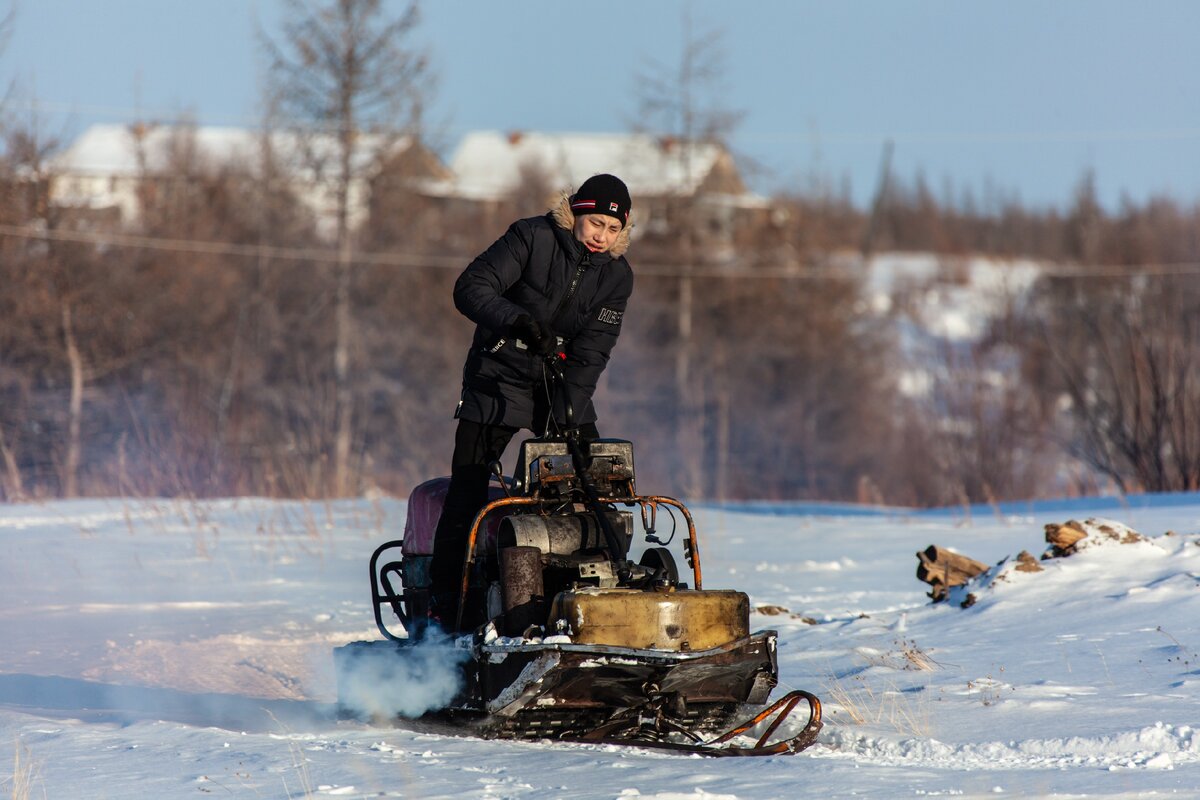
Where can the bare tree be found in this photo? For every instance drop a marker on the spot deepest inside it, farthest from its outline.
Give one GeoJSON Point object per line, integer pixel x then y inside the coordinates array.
{"type": "Point", "coordinates": [682, 100]}
{"type": "Point", "coordinates": [348, 68]}
{"type": "Point", "coordinates": [1125, 349]}
{"type": "Point", "coordinates": [29, 150]}
{"type": "Point", "coordinates": [680, 105]}
{"type": "Point", "coordinates": [7, 25]}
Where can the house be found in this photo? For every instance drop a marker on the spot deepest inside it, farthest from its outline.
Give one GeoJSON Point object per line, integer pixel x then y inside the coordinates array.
{"type": "Point", "coordinates": [491, 176]}
{"type": "Point", "coordinates": [666, 177]}
{"type": "Point", "coordinates": [104, 171]}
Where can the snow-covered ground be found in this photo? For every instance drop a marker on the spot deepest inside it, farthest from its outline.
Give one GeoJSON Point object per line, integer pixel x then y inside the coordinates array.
{"type": "Point", "coordinates": [174, 650]}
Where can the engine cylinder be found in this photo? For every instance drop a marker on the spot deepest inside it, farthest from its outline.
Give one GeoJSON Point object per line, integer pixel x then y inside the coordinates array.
{"type": "Point", "coordinates": [563, 534]}
{"type": "Point", "coordinates": [524, 592]}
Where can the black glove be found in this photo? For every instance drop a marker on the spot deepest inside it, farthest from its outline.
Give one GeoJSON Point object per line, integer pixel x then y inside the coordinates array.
{"type": "Point", "coordinates": [527, 329]}
{"type": "Point", "coordinates": [539, 341]}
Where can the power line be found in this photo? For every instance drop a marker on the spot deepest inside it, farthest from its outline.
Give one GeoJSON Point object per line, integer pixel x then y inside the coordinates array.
{"type": "Point", "coordinates": [761, 136]}
{"type": "Point", "coordinates": [395, 259]}
{"type": "Point", "coordinates": [177, 116]}
{"type": "Point", "coordinates": [838, 270]}
{"type": "Point", "coordinates": [980, 137]}
{"type": "Point", "coordinates": [229, 248]}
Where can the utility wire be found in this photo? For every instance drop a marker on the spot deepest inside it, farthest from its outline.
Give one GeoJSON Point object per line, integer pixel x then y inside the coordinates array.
{"type": "Point", "coordinates": [760, 136]}
{"type": "Point", "coordinates": [229, 248]}
{"type": "Point", "coordinates": [979, 137]}
{"type": "Point", "coordinates": [839, 270]}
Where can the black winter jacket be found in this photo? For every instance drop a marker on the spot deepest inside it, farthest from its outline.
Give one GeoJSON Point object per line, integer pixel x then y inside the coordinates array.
{"type": "Point", "coordinates": [539, 268]}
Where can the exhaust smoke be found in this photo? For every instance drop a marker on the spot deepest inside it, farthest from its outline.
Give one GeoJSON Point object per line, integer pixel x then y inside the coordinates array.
{"type": "Point", "coordinates": [386, 679]}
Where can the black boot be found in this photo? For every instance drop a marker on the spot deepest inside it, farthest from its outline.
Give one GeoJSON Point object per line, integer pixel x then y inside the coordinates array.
{"type": "Point", "coordinates": [417, 607]}
{"type": "Point", "coordinates": [443, 611]}
{"type": "Point", "coordinates": [467, 494]}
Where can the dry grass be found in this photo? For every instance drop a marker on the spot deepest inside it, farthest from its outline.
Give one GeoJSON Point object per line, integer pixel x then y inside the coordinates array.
{"type": "Point", "coordinates": [850, 699]}
{"type": "Point", "coordinates": [906, 656]}
{"type": "Point", "coordinates": [889, 707]}
{"type": "Point", "coordinates": [299, 764]}
{"type": "Point", "coordinates": [915, 657]}
{"type": "Point", "coordinates": [863, 704]}
{"type": "Point", "coordinates": [989, 690]}
{"type": "Point", "coordinates": [26, 771]}
{"type": "Point", "coordinates": [293, 526]}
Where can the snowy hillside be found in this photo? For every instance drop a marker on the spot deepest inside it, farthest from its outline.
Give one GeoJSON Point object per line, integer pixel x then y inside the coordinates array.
{"type": "Point", "coordinates": [172, 650]}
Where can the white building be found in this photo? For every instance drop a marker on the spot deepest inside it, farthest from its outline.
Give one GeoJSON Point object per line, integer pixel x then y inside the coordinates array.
{"type": "Point", "coordinates": [491, 166]}
{"type": "Point", "coordinates": [104, 169]}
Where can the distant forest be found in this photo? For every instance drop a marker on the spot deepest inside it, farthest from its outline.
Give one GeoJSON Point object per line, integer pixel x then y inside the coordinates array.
{"type": "Point", "coordinates": [226, 346]}
{"type": "Point", "coordinates": [147, 367]}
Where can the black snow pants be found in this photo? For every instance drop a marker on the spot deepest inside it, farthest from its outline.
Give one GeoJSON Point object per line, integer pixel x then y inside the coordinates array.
{"type": "Point", "coordinates": [476, 446]}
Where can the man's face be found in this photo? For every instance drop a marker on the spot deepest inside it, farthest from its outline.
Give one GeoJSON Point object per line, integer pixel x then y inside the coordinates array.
{"type": "Point", "coordinates": [598, 232]}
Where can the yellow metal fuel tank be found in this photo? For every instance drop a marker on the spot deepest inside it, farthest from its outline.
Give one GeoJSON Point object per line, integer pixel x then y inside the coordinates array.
{"type": "Point", "coordinates": [659, 620]}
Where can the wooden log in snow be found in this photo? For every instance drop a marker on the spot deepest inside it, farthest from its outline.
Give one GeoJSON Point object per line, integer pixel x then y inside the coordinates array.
{"type": "Point", "coordinates": [1027, 563]}
{"type": "Point", "coordinates": [1063, 538]}
{"type": "Point", "coordinates": [942, 568]}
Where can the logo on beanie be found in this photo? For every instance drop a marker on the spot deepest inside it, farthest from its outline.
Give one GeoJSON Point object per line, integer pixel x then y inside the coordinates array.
{"type": "Point", "coordinates": [612, 206]}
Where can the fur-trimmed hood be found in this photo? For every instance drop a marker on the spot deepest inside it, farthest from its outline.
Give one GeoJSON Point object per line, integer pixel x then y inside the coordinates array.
{"type": "Point", "coordinates": [564, 217]}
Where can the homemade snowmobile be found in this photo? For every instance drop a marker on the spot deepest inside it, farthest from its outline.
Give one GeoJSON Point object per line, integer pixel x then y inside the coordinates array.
{"type": "Point", "coordinates": [570, 639]}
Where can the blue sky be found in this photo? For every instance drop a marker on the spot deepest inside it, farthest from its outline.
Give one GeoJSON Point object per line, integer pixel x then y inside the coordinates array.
{"type": "Point", "coordinates": [1018, 97]}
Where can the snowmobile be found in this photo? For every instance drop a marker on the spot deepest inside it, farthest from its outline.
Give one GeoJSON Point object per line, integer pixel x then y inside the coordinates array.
{"type": "Point", "coordinates": [568, 638]}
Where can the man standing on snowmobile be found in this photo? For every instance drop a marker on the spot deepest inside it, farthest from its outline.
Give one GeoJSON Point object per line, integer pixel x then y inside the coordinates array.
{"type": "Point", "coordinates": [551, 286]}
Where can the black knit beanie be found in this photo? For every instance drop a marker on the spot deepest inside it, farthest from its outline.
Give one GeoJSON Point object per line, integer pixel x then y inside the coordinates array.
{"type": "Point", "coordinates": [603, 194]}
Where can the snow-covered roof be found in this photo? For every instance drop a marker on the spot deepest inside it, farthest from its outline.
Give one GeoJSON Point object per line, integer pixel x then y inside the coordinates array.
{"type": "Point", "coordinates": [489, 165]}
{"type": "Point", "coordinates": [111, 150]}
